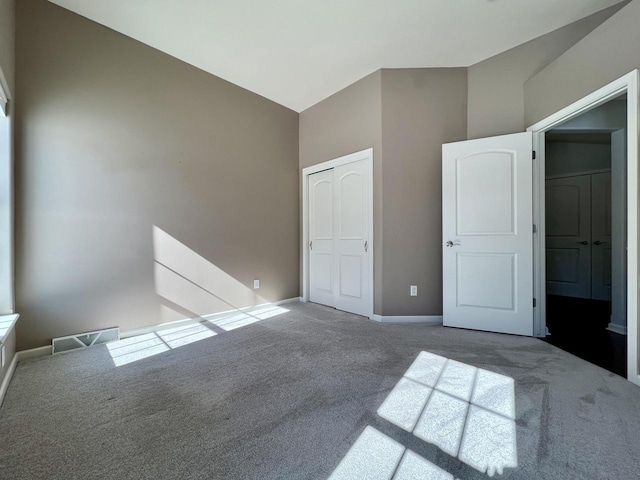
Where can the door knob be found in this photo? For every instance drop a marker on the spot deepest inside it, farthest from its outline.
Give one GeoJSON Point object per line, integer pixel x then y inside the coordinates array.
{"type": "Point", "coordinates": [584, 242]}
{"type": "Point", "coordinates": [598, 242]}
{"type": "Point", "coordinates": [450, 244]}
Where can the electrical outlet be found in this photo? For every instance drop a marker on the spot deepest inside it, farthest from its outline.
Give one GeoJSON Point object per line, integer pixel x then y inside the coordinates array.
{"type": "Point", "coordinates": [413, 291]}
{"type": "Point", "coordinates": [256, 283]}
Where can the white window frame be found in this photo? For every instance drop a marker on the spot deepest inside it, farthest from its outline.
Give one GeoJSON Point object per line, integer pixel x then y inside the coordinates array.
{"type": "Point", "coordinates": [7, 295]}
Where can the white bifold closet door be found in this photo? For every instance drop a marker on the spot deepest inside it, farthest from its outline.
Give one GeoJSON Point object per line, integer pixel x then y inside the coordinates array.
{"type": "Point", "coordinates": [339, 247]}
{"type": "Point", "coordinates": [321, 236]}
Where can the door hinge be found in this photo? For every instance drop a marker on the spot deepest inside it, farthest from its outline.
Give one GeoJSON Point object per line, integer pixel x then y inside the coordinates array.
{"type": "Point", "coordinates": [534, 303]}
{"type": "Point", "coordinates": [534, 154]}
{"type": "Point", "coordinates": [535, 228]}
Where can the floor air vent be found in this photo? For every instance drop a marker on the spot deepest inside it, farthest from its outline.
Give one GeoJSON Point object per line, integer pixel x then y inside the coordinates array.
{"type": "Point", "coordinates": [84, 340]}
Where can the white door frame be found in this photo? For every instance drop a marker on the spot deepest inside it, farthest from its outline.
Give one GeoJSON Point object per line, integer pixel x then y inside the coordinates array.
{"type": "Point", "coordinates": [627, 84]}
{"type": "Point", "coordinates": [367, 156]}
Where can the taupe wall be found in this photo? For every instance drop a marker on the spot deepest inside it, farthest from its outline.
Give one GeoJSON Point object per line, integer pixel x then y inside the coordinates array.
{"type": "Point", "coordinates": [347, 122]}
{"type": "Point", "coordinates": [113, 139]}
{"type": "Point", "coordinates": [568, 158]}
{"type": "Point", "coordinates": [496, 85]}
{"type": "Point", "coordinates": [607, 53]}
{"type": "Point", "coordinates": [406, 115]}
{"type": "Point", "coordinates": [421, 110]}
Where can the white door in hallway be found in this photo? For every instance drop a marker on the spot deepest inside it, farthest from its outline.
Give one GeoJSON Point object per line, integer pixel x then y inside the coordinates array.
{"type": "Point", "coordinates": [339, 245]}
{"type": "Point", "coordinates": [321, 238]}
{"type": "Point", "coordinates": [568, 236]}
{"type": "Point", "coordinates": [487, 234]}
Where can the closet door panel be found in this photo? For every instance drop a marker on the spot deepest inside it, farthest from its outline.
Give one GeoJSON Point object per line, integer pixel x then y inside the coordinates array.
{"type": "Point", "coordinates": [568, 236]}
{"type": "Point", "coordinates": [601, 236]}
{"type": "Point", "coordinates": [353, 253]}
{"type": "Point", "coordinates": [321, 238]}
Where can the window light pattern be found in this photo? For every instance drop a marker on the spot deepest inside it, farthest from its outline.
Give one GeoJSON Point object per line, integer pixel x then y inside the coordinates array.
{"type": "Point", "coordinates": [241, 319]}
{"type": "Point", "coordinates": [143, 346]}
{"type": "Point", "coordinates": [465, 411]}
{"type": "Point", "coordinates": [375, 456]}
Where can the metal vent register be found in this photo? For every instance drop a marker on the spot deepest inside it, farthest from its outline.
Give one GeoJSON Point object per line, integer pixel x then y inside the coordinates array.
{"type": "Point", "coordinates": [84, 340]}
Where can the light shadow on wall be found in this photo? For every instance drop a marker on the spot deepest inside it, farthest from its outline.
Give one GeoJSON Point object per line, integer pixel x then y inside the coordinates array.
{"type": "Point", "coordinates": [200, 298]}
{"type": "Point", "coordinates": [467, 412]}
{"type": "Point", "coordinates": [190, 281]}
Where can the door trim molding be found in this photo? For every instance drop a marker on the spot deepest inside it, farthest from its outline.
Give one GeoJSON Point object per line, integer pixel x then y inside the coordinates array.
{"type": "Point", "coordinates": [627, 84]}
{"type": "Point", "coordinates": [367, 156]}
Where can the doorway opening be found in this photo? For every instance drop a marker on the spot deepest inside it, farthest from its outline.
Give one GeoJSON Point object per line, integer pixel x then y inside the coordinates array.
{"type": "Point", "coordinates": [585, 235]}
{"type": "Point", "coordinates": [494, 230]}
{"type": "Point", "coordinates": [621, 94]}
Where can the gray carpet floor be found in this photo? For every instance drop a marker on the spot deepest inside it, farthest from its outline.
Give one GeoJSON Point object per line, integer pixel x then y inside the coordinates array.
{"type": "Point", "coordinates": [286, 398]}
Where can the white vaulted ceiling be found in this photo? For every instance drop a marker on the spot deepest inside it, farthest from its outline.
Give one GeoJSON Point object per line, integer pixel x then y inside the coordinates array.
{"type": "Point", "coordinates": [298, 52]}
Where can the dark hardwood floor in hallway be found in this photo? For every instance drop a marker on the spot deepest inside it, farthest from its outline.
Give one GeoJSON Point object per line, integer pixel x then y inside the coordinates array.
{"type": "Point", "coordinates": [579, 326]}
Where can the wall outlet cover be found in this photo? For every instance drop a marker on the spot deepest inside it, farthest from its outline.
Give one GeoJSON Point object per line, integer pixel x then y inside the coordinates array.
{"type": "Point", "coordinates": [413, 291]}
{"type": "Point", "coordinates": [256, 283]}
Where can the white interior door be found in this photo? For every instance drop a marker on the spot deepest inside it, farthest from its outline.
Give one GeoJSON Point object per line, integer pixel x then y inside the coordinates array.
{"type": "Point", "coordinates": [352, 199]}
{"type": "Point", "coordinates": [321, 238]}
{"type": "Point", "coordinates": [568, 236]}
{"type": "Point", "coordinates": [601, 228]}
{"type": "Point", "coordinates": [488, 234]}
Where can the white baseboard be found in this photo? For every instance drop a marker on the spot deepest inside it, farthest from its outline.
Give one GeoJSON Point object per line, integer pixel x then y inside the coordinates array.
{"type": "Point", "coordinates": [188, 321]}
{"type": "Point", "coordinates": [287, 300]}
{"type": "Point", "coordinates": [428, 319]}
{"type": "Point", "coordinates": [34, 353]}
{"type": "Point", "coordinates": [7, 378]}
{"type": "Point", "coordinates": [18, 357]}
{"type": "Point", "coordinates": [616, 328]}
